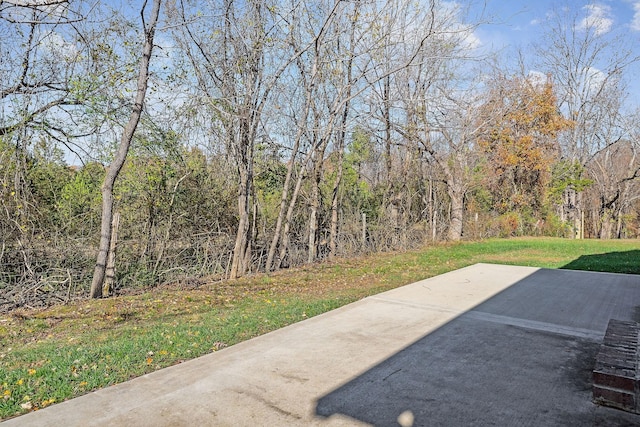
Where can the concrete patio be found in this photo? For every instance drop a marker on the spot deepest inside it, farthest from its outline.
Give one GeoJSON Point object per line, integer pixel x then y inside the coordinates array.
{"type": "Point", "coordinates": [484, 345]}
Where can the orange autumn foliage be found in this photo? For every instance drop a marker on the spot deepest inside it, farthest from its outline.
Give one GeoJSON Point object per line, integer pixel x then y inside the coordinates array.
{"type": "Point", "coordinates": [520, 142]}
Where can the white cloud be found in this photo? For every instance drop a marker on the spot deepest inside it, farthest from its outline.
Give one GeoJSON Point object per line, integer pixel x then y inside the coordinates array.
{"type": "Point", "coordinates": [537, 78]}
{"type": "Point", "coordinates": [465, 34]}
{"type": "Point", "coordinates": [56, 45]}
{"type": "Point", "coordinates": [594, 78]}
{"type": "Point", "coordinates": [598, 18]}
{"type": "Point", "coordinates": [635, 23]}
{"type": "Point", "coordinates": [470, 39]}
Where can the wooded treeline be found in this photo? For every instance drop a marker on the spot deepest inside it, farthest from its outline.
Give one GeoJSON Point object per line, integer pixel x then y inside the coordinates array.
{"type": "Point", "coordinates": [291, 131]}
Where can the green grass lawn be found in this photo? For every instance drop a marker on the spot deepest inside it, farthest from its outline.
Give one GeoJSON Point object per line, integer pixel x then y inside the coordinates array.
{"type": "Point", "coordinates": [51, 355]}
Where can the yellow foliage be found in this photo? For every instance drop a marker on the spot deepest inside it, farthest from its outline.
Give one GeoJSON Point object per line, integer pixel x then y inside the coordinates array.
{"type": "Point", "coordinates": [520, 140]}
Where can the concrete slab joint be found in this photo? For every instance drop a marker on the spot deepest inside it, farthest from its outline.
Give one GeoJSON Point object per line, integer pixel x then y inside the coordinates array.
{"type": "Point", "coordinates": [616, 379]}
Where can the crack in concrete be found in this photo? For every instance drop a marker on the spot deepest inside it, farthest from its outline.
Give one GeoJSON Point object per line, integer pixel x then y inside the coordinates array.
{"type": "Point", "coordinates": [269, 404]}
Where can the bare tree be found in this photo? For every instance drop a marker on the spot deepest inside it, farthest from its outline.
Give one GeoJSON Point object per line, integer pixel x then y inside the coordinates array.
{"type": "Point", "coordinates": [437, 109]}
{"type": "Point", "coordinates": [238, 62]}
{"type": "Point", "coordinates": [615, 170]}
{"type": "Point", "coordinates": [43, 53]}
{"type": "Point", "coordinates": [123, 148]}
{"type": "Point", "coordinates": [373, 55]}
{"type": "Point", "coordinates": [451, 141]}
{"type": "Point", "coordinates": [307, 80]}
{"type": "Point", "coordinates": [588, 63]}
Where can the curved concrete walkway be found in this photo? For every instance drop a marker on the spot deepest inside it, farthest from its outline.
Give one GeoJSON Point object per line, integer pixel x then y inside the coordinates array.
{"type": "Point", "coordinates": [487, 344]}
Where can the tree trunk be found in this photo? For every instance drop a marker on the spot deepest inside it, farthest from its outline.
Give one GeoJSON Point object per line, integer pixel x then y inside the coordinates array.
{"type": "Point", "coordinates": [110, 278]}
{"type": "Point", "coordinates": [608, 222]}
{"type": "Point", "coordinates": [456, 194]}
{"type": "Point", "coordinates": [432, 209]}
{"type": "Point", "coordinates": [241, 247]}
{"type": "Point", "coordinates": [335, 199]}
{"type": "Point", "coordinates": [287, 224]}
{"type": "Point", "coordinates": [619, 226]}
{"type": "Point", "coordinates": [313, 214]}
{"type": "Point", "coordinates": [121, 155]}
{"type": "Point", "coordinates": [386, 113]}
{"type": "Point", "coordinates": [282, 212]}
{"type": "Point", "coordinates": [335, 207]}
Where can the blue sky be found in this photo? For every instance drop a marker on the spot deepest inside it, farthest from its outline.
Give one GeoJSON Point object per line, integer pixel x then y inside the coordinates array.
{"type": "Point", "coordinates": [519, 22]}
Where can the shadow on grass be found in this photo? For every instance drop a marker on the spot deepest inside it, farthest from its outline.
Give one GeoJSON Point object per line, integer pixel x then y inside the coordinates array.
{"type": "Point", "coordinates": [613, 262]}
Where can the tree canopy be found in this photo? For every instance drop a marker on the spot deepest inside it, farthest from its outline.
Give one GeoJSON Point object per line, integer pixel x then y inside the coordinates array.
{"type": "Point", "coordinates": [236, 136]}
